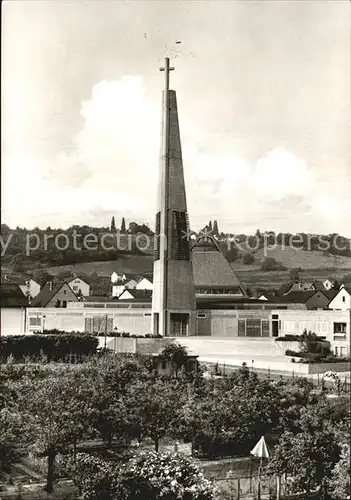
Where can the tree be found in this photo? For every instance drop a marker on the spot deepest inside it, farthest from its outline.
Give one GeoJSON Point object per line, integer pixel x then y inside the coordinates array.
{"type": "Point", "coordinates": [153, 408]}
{"type": "Point", "coordinates": [294, 275]}
{"type": "Point", "coordinates": [232, 254]}
{"type": "Point", "coordinates": [123, 225]}
{"type": "Point", "coordinates": [113, 225]}
{"type": "Point", "coordinates": [271, 264]}
{"type": "Point", "coordinates": [11, 430]}
{"type": "Point", "coordinates": [339, 483]}
{"type": "Point", "coordinates": [215, 228]}
{"type": "Point", "coordinates": [56, 417]}
{"type": "Point", "coordinates": [210, 226]}
{"type": "Point", "coordinates": [309, 455]}
{"type": "Point", "coordinates": [248, 259]}
{"type": "Point", "coordinates": [17, 264]}
{"type": "Point", "coordinates": [42, 276]}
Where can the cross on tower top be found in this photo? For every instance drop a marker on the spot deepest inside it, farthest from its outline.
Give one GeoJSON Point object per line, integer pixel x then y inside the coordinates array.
{"type": "Point", "coordinates": [167, 69]}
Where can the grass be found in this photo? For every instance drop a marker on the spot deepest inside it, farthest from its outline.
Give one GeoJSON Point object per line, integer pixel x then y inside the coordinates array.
{"type": "Point", "coordinates": [128, 264]}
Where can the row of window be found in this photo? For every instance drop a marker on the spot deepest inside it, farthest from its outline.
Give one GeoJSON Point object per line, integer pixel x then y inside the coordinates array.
{"type": "Point", "coordinates": [253, 328]}
{"type": "Point", "coordinates": [322, 328]}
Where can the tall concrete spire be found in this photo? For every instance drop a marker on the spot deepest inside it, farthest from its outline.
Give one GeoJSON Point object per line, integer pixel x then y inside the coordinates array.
{"type": "Point", "coordinates": [173, 300]}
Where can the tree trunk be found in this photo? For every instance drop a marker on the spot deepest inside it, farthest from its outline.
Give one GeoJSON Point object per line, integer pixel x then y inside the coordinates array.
{"type": "Point", "coordinates": [51, 466]}
{"type": "Point", "coordinates": [75, 450]}
{"type": "Point", "coordinates": [157, 442]}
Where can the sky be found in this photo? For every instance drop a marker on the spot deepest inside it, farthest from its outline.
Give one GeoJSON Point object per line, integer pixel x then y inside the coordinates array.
{"type": "Point", "coordinates": [263, 92]}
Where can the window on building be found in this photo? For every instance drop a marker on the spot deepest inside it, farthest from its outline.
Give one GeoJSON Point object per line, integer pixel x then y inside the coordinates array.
{"type": "Point", "coordinates": [339, 327]}
{"type": "Point", "coordinates": [322, 327]}
{"type": "Point", "coordinates": [241, 328]}
{"type": "Point", "coordinates": [65, 292]}
{"type": "Point", "coordinates": [344, 298]}
{"type": "Point", "coordinates": [340, 351]}
{"type": "Point", "coordinates": [253, 328]}
{"type": "Point", "coordinates": [64, 303]}
{"type": "Point", "coordinates": [156, 323]}
{"type": "Point", "coordinates": [147, 314]}
{"type": "Point", "coordinates": [179, 324]}
{"type": "Point", "coordinates": [265, 328]}
{"type": "Point", "coordinates": [201, 315]}
{"type": "Point", "coordinates": [58, 303]}
{"type": "Point", "coordinates": [75, 288]}
{"type": "Point", "coordinates": [289, 326]}
{"type": "Point", "coordinates": [339, 331]}
{"type": "Point", "coordinates": [98, 324]}
{"type": "Point", "coordinates": [34, 321]}
{"type": "Point", "coordinates": [304, 325]}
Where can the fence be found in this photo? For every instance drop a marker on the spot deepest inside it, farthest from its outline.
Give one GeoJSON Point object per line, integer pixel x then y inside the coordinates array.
{"type": "Point", "coordinates": [343, 387]}
{"type": "Point", "coordinates": [249, 487]}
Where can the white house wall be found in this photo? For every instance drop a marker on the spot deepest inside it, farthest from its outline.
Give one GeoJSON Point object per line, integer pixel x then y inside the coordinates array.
{"type": "Point", "coordinates": [13, 321]}
{"type": "Point", "coordinates": [339, 303]}
{"type": "Point", "coordinates": [136, 321]}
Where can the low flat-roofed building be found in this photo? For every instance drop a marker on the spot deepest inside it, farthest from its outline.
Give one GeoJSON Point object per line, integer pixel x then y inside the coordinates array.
{"type": "Point", "coordinates": [333, 325]}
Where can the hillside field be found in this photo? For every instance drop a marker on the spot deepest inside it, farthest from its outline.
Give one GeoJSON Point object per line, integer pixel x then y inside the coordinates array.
{"type": "Point", "coordinates": [291, 257]}
{"type": "Point", "coordinates": [250, 276]}
{"type": "Point", "coordinates": [128, 264]}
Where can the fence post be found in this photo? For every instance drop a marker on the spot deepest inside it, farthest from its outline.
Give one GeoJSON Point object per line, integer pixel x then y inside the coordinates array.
{"type": "Point", "coordinates": [238, 489]}
{"type": "Point", "coordinates": [278, 487]}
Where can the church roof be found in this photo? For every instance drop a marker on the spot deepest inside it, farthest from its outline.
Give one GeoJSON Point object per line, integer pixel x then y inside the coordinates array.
{"type": "Point", "coordinates": [211, 268]}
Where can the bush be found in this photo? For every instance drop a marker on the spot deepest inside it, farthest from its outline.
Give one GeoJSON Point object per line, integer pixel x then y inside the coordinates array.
{"type": "Point", "coordinates": [59, 347]}
{"type": "Point", "coordinates": [248, 259]}
{"type": "Point", "coordinates": [232, 254]}
{"type": "Point", "coordinates": [148, 475]}
{"type": "Point", "coordinates": [271, 264]}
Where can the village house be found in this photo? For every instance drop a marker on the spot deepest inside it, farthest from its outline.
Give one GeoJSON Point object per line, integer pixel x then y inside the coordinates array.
{"type": "Point", "coordinates": [134, 294]}
{"type": "Point", "coordinates": [144, 284]}
{"type": "Point", "coordinates": [342, 299]}
{"type": "Point", "coordinates": [79, 286]}
{"type": "Point", "coordinates": [304, 286]}
{"type": "Point", "coordinates": [116, 277]}
{"type": "Point", "coordinates": [55, 295]}
{"type": "Point", "coordinates": [121, 285]}
{"type": "Point", "coordinates": [29, 287]}
{"type": "Point", "coordinates": [330, 283]}
{"type": "Point", "coordinates": [312, 299]}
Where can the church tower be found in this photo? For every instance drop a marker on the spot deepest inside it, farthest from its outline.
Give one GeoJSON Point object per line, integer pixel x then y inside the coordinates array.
{"type": "Point", "coordinates": [173, 298]}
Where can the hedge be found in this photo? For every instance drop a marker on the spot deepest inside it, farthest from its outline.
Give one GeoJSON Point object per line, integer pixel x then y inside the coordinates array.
{"type": "Point", "coordinates": [311, 357]}
{"type": "Point", "coordinates": [58, 347]}
{"type": "Point", "coordinates": [101, 334]}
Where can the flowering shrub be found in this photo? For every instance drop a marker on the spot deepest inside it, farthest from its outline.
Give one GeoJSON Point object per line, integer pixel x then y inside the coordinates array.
{"type": "Point", "coordinates": [148, 475]}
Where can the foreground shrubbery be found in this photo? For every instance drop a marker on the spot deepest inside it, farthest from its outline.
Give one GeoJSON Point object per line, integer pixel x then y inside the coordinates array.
{"type": "Point", "coordinates": [148, 475]}
{"type": "Point", "coordinates": [117, 398]}
{"type": "Point", "coordinates": [59, 347]}
{"type": "Point", "coordinates": [114, 333]}
{"type": "Point", "coordinates": [314, 349]}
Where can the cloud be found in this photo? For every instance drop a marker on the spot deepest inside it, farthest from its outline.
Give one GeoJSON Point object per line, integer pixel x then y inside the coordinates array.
{"type": "Point", "coordinates": [280, 174]}
{"type": "Point", "coordinates": [113, 169]}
